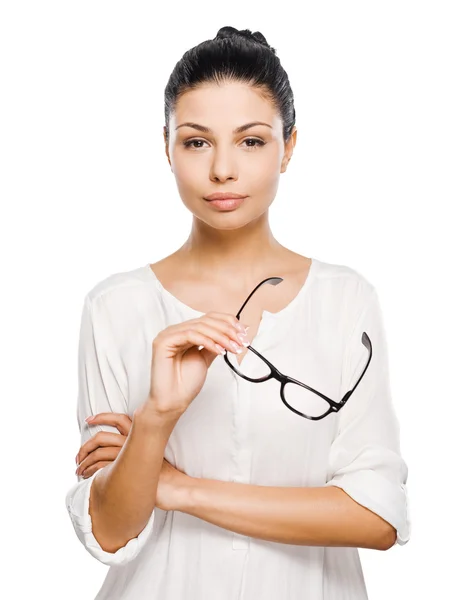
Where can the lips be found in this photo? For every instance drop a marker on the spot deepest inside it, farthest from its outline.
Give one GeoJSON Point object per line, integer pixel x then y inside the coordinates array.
{"type": "Point", "coordinates": [227, 203]}
{"type": "Point", "coordinates": [224, 196]}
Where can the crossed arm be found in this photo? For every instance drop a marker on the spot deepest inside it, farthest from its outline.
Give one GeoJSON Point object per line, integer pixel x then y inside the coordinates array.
{"type": "Point", "coordinates": [313, 516]}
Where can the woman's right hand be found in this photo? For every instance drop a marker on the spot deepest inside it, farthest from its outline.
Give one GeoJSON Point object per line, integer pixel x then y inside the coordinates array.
{"type": "Point", "coordinates": [179, 368]}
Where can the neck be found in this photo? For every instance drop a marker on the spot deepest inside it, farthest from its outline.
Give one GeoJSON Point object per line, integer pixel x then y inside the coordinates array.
{"type": "Point", "coordinates": [247, 253]}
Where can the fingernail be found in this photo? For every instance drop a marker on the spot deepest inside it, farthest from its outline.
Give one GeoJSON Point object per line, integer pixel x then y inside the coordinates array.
{"type": "Point", "coordinates": [89, 419]}
{"type": "Point", "coordinates": [241, 327]}
{"type": "Point", "coordinates": [235, 347]}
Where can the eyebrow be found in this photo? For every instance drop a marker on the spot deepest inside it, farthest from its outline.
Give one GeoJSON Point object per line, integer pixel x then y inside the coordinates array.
{"type": "Point", "coordinates": [237, 130]}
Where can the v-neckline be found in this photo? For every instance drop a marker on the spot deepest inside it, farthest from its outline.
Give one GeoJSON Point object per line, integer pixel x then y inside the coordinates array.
{"type": "Point", "coordinates": [266, 317]}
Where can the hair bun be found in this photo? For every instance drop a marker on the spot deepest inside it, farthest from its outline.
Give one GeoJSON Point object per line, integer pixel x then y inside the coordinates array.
{"type": "Point", "coordinates": [230, 32]}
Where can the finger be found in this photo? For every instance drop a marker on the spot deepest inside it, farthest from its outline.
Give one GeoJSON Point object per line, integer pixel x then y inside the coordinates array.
{"type": "Point", "coordinates": [96, 467]}
{"type": "Point", "coordinates": [226, 318]}
{"type": "Point", "coordinates": [228, 332]}
{"type": "Point", "coordinates": [231, 319]}
{"type": "Point", "coordinates": [109, 453]}
{"type": "Point", "coordinates": [180, 339]}
{"type": "Point", "coordinates": [100, 439]}
{"type": "Point", "coordinates": [222, 333]}
{"type": "Point", "coordinates": [119, 420]}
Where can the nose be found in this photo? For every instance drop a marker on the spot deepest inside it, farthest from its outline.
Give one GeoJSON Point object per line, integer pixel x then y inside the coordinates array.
{"type": "Point", "coordinates": [223, 166]}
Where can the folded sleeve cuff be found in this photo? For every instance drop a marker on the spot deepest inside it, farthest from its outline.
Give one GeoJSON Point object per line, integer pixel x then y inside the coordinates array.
{"type": "Point", "coordinates": [77, 504]}
{"type": "Point", "coordinates": [381, 496]}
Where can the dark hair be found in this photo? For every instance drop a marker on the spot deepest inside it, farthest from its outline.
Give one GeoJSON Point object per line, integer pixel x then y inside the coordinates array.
{"type": "Point", "coordinates": [237, 56]}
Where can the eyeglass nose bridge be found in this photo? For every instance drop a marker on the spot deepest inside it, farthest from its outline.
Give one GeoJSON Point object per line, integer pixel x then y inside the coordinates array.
{"type": "Point", "coordinates": [284, 379]}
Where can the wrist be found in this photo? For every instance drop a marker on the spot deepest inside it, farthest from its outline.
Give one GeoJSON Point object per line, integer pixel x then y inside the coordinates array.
{"type": "Point", "coordinates": [146, 416]}
{"type": "Point", "coordinates": [185, 494]}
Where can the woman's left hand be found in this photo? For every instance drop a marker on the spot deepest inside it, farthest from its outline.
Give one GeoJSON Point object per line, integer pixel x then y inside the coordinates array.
{"type": "Point", "coordinates": [172, 484]}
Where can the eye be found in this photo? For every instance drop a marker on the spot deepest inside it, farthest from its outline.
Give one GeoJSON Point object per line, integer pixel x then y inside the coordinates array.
{"type": "Point", "coordinates": [258, 143]}
{"type": "Point", "coordinates": [189, 143]}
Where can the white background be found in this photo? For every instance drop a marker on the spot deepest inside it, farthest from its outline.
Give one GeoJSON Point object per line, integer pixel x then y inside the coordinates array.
{"type": "Point", "coordinates": [86, 191]}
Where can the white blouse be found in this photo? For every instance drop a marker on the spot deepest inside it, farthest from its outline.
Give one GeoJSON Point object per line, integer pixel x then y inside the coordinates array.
{"type": "Point", "coordinates": [236, 430]}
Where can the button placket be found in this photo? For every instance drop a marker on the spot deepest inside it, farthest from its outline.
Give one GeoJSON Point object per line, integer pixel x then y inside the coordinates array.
{"type": "Point", "coordinates": [242, 416]}
{"type": "Point", "coordinates": [243, 451]}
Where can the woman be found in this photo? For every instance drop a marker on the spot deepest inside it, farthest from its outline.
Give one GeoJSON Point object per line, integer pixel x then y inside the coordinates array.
{"type": "Point", "coordinates": [208, 483]}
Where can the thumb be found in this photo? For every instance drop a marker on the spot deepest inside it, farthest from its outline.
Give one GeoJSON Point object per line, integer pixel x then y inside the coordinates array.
{"type": "Point", "coordinates": [208, 355]}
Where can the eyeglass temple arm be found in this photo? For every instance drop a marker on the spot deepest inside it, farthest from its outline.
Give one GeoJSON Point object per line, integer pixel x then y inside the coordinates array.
{"type": "Point", "coordinates": [365, 339]}
{"type": "Point", "coordinates": [270, 280]}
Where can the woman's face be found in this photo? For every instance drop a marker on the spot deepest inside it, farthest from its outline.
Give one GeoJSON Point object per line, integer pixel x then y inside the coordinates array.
{"type": "Point", "coordinates": [222, 160]}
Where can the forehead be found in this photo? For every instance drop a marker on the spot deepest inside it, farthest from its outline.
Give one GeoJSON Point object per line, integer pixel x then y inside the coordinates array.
{"type": "Point", "coordinates": [226, 105]}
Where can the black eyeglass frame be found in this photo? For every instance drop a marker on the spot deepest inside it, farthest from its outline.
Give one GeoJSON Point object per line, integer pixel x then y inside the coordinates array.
{"type": "Point", "coordinates": [284, 379]}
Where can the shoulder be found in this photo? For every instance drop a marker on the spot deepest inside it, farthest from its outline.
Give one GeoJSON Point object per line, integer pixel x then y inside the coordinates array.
{"type": "Point", "coordinates": [343, 278]}
{"type": "Point", "coordinates": [343, 289]}
{"type": "Point", "coordinates": [125, 307]}
{"type": "Point", "coordinates": [123, 297]}
{"type": "Point", "coordinates": [121, 284]}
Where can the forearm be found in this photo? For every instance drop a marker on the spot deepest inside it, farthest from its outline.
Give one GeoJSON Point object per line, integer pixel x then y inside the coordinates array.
{"type": "Point", "coordinates": [313, 516]}
{"type": "Point", "coordinates": [123, 494]}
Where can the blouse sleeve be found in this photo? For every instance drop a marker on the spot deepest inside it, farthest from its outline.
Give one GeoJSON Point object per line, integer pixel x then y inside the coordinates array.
{"type": "Point", "coordinates": [365, 459]}
{"type": "Point", "coordinates": [98, 391]}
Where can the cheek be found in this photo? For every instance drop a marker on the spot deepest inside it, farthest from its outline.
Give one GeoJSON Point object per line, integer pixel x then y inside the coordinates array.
{"type": "Point", "coordinates": [189, 180]}
{"type": "Point", "coordinates": [181, 167]}
{"type": "Point", "coordinates": [264, 165]}
{"type": "Point", "coordinates": [264, 175]}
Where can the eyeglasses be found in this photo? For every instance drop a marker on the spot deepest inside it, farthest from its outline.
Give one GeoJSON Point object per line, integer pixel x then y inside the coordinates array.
{"type": "Point", "coordinates": [297, 396]}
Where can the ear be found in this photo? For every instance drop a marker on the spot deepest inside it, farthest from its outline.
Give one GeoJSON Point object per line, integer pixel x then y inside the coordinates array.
{"type": "Point", "coordinates": [166, 144]}
{"type": "Point", "coordinates": [288, 150]}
